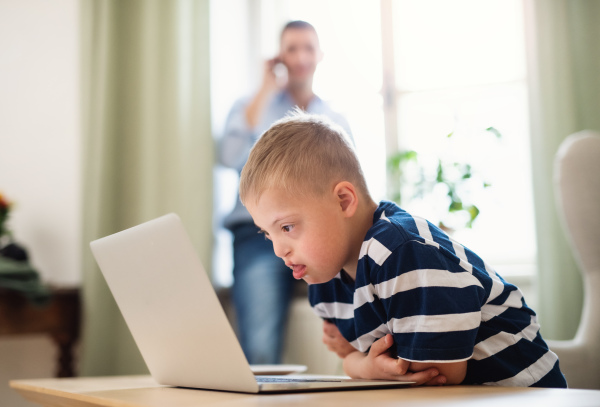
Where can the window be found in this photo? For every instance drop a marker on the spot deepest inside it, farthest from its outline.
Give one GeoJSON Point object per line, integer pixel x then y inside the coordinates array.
{"type": "Point", "coordinates": [350, 75]}
{"type": "Point", "coordinates": [459, 67]}
{"type": "Point", "coordinates": [450, 67]}
{"type": "Point", "coordinates": [444, 67]}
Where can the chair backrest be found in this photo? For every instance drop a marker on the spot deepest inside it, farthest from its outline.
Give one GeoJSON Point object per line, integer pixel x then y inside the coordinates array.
{"type": "Point", "coordinates": [577, 181]}
{"type": "Point", "coordinates": [578, 188]}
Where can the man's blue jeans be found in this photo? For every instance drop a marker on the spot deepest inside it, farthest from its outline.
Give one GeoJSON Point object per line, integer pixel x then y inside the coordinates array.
{"type": "Point", "coordinates": [262, 291]}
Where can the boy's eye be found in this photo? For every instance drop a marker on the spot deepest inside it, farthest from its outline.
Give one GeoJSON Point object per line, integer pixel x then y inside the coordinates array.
{"type": "Point", "coordinates": [287, 228]}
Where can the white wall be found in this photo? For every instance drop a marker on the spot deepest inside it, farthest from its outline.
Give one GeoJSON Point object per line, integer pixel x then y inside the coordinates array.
{"type": "Point", "coordinates": [40, 131]}
{"type": "Point", "coordinates": [40, 158]}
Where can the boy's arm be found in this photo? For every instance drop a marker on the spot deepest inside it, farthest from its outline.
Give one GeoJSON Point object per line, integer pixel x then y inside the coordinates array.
{"type": "Point", "coordinates": [454, 372]}
{"type": "Point", "coordinates": [334, 340]}
{"type": "Point", "coordinates": [378, 364]}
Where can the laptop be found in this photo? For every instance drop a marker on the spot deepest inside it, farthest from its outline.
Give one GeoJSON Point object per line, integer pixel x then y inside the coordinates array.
{"type": "Point", "coordinates": [176, 319]}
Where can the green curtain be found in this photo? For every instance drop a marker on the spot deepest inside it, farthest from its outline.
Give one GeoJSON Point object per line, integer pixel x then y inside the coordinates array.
{"type": "Point", "coordinates": [148, 148]}
{"type": "Point", "coordinates": [564, 76]}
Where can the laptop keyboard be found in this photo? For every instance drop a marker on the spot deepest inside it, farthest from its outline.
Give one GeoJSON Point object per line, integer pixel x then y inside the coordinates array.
{"type": "Point", "coordinates": [294, 380]}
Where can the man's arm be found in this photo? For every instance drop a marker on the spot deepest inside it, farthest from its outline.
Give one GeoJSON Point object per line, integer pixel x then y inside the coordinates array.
{"type": "Point", "coordinates": [237, 138]}
{"type": "Point", "coordinates": [268, 88]}
{"type": "Point", "coordinates": [240, 134]}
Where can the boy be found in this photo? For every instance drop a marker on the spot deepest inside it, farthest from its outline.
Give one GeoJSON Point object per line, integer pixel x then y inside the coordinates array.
{"type": "Point", "coordinates": [407, 302]}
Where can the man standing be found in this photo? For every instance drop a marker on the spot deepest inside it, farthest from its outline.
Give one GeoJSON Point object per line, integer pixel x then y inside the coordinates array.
{"type": "Point", "coordinates": [263, 285]}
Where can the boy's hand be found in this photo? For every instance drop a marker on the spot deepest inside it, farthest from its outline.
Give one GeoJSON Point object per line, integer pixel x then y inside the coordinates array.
{"type": "Point", "coordinates": [378, 364]}
{"type": "Point", "coordinates": [334, 340]}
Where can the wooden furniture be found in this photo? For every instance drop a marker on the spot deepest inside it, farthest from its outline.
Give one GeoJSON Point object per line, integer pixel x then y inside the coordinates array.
{"type": "Point", "coordinates": [142, 391]}
{"type": "Point", "coordinates": [60, 319]}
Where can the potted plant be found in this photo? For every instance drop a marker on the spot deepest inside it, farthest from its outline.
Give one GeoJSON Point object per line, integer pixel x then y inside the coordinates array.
{"type": "Point", "coordinates": [8, 248]}
{"type": "Point", "coordinates": [444, 185]}
{"type": "Point", "coordinates": [5, 206]}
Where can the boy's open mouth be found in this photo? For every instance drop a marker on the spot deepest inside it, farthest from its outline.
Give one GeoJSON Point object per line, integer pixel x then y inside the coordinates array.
{"type": "Point", "coordinates": [299, 271]}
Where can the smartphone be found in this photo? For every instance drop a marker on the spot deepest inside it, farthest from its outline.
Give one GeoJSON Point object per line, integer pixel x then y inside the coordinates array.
{"type": "Point", "coordinates": [280, 70]}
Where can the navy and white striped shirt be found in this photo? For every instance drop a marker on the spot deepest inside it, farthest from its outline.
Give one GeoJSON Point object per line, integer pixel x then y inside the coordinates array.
{"type": "Point", "coordinates": [440, 301]}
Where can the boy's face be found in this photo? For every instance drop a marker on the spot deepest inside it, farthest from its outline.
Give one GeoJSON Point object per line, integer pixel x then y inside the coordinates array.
{"type": "Point", "coordinates": [309, 234]}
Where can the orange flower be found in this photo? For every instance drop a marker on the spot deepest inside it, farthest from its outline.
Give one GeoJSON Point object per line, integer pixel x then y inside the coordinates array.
{"type": "Point", "coordinates": [4, 203]}
{"type": "Point", "coordinates": [4, 209]}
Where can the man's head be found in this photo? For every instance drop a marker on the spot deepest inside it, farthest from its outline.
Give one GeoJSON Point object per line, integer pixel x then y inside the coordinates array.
{"type": "Point", "coordinates": [303, 186]}
{"type": "Point", "coordinates": [300, 52]}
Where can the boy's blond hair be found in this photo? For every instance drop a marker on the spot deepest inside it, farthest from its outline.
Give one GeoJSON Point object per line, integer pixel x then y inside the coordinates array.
{"type": "Point", "coordinates": [302, 154]}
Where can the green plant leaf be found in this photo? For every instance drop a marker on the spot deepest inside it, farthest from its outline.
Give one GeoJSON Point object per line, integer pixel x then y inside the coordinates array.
{"type": "Point", "coordinates": [473, 213]}
{"type": "Point", "coordinates": [494, 132]}
{"type": "Point", "coordinates": [410, 155]}
{"type": "Point", "coordinates": [440, 172]}
{"type": "Point", "coordinates": [395, 160]}
{"type": "Point", "coordinates": [455, 206]}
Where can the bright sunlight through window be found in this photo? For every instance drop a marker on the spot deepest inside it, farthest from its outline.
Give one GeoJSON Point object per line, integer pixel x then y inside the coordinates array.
{"type": "Point", "coordinates": [445, 68]}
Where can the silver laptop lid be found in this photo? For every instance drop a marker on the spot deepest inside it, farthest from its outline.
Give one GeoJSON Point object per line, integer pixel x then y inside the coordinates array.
{"type": "Point", "coordinates": [170, 307]}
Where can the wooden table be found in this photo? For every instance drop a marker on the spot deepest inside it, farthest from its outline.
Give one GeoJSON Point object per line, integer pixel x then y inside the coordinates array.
{"type": "Point", "coordinates": [142, 391]}
{"type": "Point", "coordinates": [60, 319]}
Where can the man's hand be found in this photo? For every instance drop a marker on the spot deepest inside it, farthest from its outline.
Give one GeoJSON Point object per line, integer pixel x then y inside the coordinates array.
{"type": "Point", "coordinates": [334, 340]}
{"type": "Point", "coordinates": [271, 80]}
{"type": "Point", "coordinates": [378, 364]}
{"type": "Point", "coordinates": [271, 83]}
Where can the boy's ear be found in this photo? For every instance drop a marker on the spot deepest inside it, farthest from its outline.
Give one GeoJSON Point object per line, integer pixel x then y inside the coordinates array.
{"type": "Point", "coordinates": [347, 197]}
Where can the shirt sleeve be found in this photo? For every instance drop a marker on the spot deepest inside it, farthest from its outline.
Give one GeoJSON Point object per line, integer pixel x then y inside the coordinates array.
{"type": "Point", "coordinates": [237, 139]}
{"type": "Point", "coordinates": [431, 305]}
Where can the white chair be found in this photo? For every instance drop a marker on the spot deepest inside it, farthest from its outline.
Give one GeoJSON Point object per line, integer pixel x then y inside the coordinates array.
{"type": "Point", "coordinates": [577, 183]}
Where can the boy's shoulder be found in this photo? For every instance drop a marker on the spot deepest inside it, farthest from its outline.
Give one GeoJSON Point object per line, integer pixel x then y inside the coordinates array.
{"type": "Point", "coordinates": [398, 242]}
{"type": "Point", "coordinates": [392, 226]}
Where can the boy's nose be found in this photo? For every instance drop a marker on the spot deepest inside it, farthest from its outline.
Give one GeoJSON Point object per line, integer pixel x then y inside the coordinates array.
{"type": "Point", "coordinates": [280, 249]}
